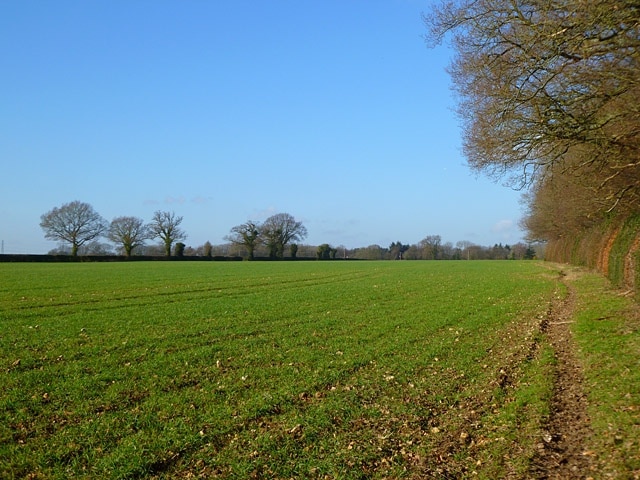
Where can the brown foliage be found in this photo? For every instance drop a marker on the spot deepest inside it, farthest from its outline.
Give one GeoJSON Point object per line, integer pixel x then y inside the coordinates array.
{"type": "Point", "coordinates": [549, 97]}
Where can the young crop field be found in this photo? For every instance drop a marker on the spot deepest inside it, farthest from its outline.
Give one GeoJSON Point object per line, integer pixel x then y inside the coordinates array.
{"type": "Point", "coordinates": [275, 369]}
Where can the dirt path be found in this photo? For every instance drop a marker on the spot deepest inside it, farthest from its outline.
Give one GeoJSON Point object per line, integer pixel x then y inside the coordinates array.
{"type": "Point", "coordinates": [562, 451]}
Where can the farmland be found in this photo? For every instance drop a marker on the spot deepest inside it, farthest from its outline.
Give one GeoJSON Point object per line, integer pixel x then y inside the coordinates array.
{"type": "Point", "coordinates": [280, 369]}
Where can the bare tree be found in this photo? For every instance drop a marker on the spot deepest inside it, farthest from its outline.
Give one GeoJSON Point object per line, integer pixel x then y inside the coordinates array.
{"type": "Point", "coordinates": [539, 82]}
{"type": "Point", "coordinates": [430, 246]}
{"type": "Point", "coordinates": [129, 232]}
{"type": "Point", "coordinates": [447, 252]}
{"type": "Point", "coordinates": [95, 247]}
{"type": "Point", "coordinates": [278, 230]}
{"type": "Point", "coordinates": [465, 248]}
{"type": "Point", "coordinates": [246, 235]}
{"type": "Point", "coordinates": [76, 223]}
{"type": "Point", "coordinates": [558, 205]}
{"type": "Point", "coordinates": [166, 226]}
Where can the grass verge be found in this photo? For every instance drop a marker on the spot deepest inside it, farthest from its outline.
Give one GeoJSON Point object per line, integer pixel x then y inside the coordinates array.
{"type": "Point", "coordinates": [607, 330]}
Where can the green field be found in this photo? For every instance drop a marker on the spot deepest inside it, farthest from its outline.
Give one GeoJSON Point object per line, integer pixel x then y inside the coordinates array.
{"type": "Point", "coordinates": [273, 369]}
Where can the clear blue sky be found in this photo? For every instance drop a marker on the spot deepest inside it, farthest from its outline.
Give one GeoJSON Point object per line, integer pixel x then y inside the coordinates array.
{"type": "Point", "coordinates": [333, 111]}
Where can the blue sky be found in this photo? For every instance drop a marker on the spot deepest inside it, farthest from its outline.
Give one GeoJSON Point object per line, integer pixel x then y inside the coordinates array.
{"type": "Point", "coordinates": [333, 111]}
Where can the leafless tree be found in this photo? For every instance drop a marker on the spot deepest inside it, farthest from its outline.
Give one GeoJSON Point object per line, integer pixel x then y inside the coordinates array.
{"type": "Point", "coordinates": [540, 82]}
{"type": "Point", "coordinates": [76, 223]}
{"type": "Point", "coordinates": [166, 226]}
{"type": "Point", "coordinates": [465, 246]}
{"type": "Point", "coordinates": [246, 235]}
{"type": "Point", "coordinates": [129, 232]}
{"type": "Point", "coordinates": [430, 246]}
{"type": "Point", "coordinates": [278, 230]}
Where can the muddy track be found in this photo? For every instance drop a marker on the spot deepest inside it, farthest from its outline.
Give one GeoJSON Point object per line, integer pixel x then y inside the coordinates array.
{"type": "Point", "coordinates": [562, 451]}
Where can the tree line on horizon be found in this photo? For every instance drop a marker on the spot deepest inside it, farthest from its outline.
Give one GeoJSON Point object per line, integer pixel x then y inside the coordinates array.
{"type": "Point", "coordinates": [79, 227]}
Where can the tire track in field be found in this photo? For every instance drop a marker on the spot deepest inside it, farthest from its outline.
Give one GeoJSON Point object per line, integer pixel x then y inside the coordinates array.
{"type": "Point", "coordinates": [155, 295]}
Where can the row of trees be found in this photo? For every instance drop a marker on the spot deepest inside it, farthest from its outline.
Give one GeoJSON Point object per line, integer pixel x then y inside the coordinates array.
{"type": "Point", "coordinates": [548, 96]}
{"type": "Point", "coordinates": [79, 226]}
{"type": "Point", "coordinates": [463, 250]}
{"type": "Point", "coordinates": [275, 233]}
{"type": "Point", "coordinates": [432, 248]}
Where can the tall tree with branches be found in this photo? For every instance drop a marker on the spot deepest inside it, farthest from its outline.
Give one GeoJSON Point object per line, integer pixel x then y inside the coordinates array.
{"type": "Point", "coordinates": [166, 227]}
{"type": "Point", "coordinates": [246, 235]}
{"type": "Point", "coordinates": [129, 232]}
{"type": "Point", "coordinates": [547, 89]}
{"type": "Point", "coordinates": [278, 230]}
{"type": "Point", "coordinates": [76, 223]}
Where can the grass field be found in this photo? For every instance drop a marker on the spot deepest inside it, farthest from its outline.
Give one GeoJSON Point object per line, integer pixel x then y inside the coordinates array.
{"type": "Point", "coordinates": [273, 370]}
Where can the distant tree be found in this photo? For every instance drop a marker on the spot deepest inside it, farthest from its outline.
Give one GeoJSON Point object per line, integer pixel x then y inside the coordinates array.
{"type": "Point", "coordinates": [207, 249]}
{"type": "Point", "coordinates": [166, 226]}
{"type": "Point", "coordinates": [271, 242]}
{"type": "Point", "coordinates": [372, 252]}
{"type": "Point", "coordinates": [430, 246]}
{"type": "Point", "coordinates": [224, 250]}
{"type": "Point", "coordinates": [152, 250]}
{"type": "Point", "coordinates": [530, 254]}
{"type": "Point", "coordinates": [93, 247]}
{"type": "Point", "coordinates": [75, 223]}
{"type": "Point", "coordinates": [324, 252]}
{"type": "Point", "coordinates": [343, 251]}
{"type": "Point", "coordinates": [278, 230]}
{"type": "Point", "coordinates": [302, 250]}
{"type": "Point", "coordinates": [396, 250]}
{"type": "Point", "coordinates": [61, 249]}
{"type": "Point", "coordinates": [521, 251]}
{"type": "Point", "coordinates": [447, 252]}
{"type": "Point", "coordinates": [500, 252]}
{"type": "Point", "coordinates": [413, 253]}
{"type": "Point", "coordinates": [179, 249]}
{"type": "Point", "coordinates": [465, 249]}
{"type": "Point", "coordinates": [129, 232]}
{"type": "Point", "coordinates": [293, 250]}
{"type": "Point", "coordinates": [246, 235]}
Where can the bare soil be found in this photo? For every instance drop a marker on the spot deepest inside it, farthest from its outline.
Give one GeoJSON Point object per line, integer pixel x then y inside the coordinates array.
{"type": "Point", "coordinates": [562, 452]}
